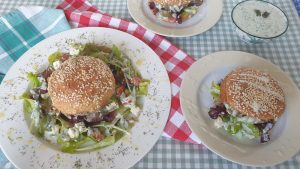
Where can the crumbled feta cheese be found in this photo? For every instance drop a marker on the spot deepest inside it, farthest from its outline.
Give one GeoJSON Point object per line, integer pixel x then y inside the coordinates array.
{"type": "Point", "coordinates": [90, 131]}
{"type": "Point", "coordinates": [111, 107]}
{"type": "Point", "coordinates": [34, 94]}
{"type": "Point", "coordinates": [74, 51]}
{"type": "Point", "coordinates": [64, 135]}
{"type": "Point", "coordinates": [73, 132]}
{"type": "Point", "coordinates": [218, 122]}
{"type": "Point", "coordinates": [128, 102]}
{"type": "Point", "coordinates": [45, 96]}
{"type": "Point", "coordinates": [81, 127]}
{"type": "Point", "coordinates": [54, 130]}
{"type": "Point", "coordinates": [56, 64]}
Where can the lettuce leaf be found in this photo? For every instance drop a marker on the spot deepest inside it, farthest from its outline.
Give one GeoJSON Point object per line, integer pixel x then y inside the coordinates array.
{"type": "Point", "coordinates": [251, 129]}
{"type": "Point", "coordinates": [104, 143]}
{"type": "Point", "coordinates": [116, 52]}
{"type": "Point", "coordinates": [89, 49]}
{"type": "Point", "coordinates": [77, 146]}
{"type": "Point", "coordinates": [34, 81]}
{"type": "Point", "coordinates": [28, 105]}
{"type": "Point", "coordinates": [143, 87]}
{"type": "Point", "coordinates": [54, 57]}
{"type": "Point", "coordinates": [215, 89]}
{"type": "Point", "coordinates": [72, 146]}
{"type": "Point", "coordinates": [38, 130]}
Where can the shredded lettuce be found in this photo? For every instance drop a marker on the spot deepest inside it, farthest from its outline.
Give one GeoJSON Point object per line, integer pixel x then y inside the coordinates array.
{"type": "Point", "coordinates": [116, 51]}
{"type": "Point", "coordinates": [33, 79]}
{"type": "Point", "coordinates": [215, 89]}
{"type": "Point", "coordinates": [54, 57]}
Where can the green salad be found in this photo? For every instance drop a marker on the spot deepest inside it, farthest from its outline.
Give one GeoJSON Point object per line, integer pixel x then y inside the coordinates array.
{"type": "Point", "coordinates": [94, 130]}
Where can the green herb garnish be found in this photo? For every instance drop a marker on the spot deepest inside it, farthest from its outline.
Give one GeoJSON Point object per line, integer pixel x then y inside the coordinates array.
{"type": "Point", "coordinates": [265, 14]}
{"type": "Point", "coordinates": [258, 13]}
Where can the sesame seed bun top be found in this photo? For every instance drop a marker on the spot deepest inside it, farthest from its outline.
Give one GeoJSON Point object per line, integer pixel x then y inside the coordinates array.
{"type": "Point", "coordinates": [172, 2]}
{"type": "Point", "coordinates": [81, 85]}
{"type": "Point", "coordinates": [253, 93]}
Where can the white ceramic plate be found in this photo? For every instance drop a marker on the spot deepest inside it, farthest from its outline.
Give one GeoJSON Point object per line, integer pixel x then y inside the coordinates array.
{"type": "Point", "coordinates": [196, 100]}
{"type": "Point", "coordinates": [26, 151]}
{"type": "Point", "coordinates": [209, 14]}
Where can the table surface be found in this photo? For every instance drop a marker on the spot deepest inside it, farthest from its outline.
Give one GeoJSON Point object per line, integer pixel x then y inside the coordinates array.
{"type": "Point", "coordinates": [167, 153]}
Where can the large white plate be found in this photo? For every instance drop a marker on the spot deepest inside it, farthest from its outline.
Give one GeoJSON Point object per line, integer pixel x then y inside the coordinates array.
{"type": "Point", "coordinates": [209, 14]}
{"type": "Point", "coordinates": [196, 100]}
{"type": "Point", "coordinates": [26, 151]}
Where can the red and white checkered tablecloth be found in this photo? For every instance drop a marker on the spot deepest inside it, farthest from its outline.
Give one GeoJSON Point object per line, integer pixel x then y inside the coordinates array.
{"type": "Point", "coordinates": [81, 13]}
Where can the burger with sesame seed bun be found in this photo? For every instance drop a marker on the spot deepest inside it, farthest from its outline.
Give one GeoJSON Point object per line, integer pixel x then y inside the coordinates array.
{"type": "Point", "coordinates": [81, 86]}
{"type": "Point", "coordinates": [87, 98]}
{"type": "Point", "coordinates": [174, 11]}
{"type": "Point", "coordinates": [248, 102]}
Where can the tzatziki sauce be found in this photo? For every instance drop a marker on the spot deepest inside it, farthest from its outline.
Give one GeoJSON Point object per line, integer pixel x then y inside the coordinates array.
{"type": "Point", "coordinates": [260, 19]}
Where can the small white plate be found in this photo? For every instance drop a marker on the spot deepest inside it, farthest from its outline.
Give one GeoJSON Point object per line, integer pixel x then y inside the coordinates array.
{"type": "Point", "coordinates": [26, 151]}
{"type": "Point", "coordinates": [196, 100]}
{"type": "Point", "coordinates": [209, 14]}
